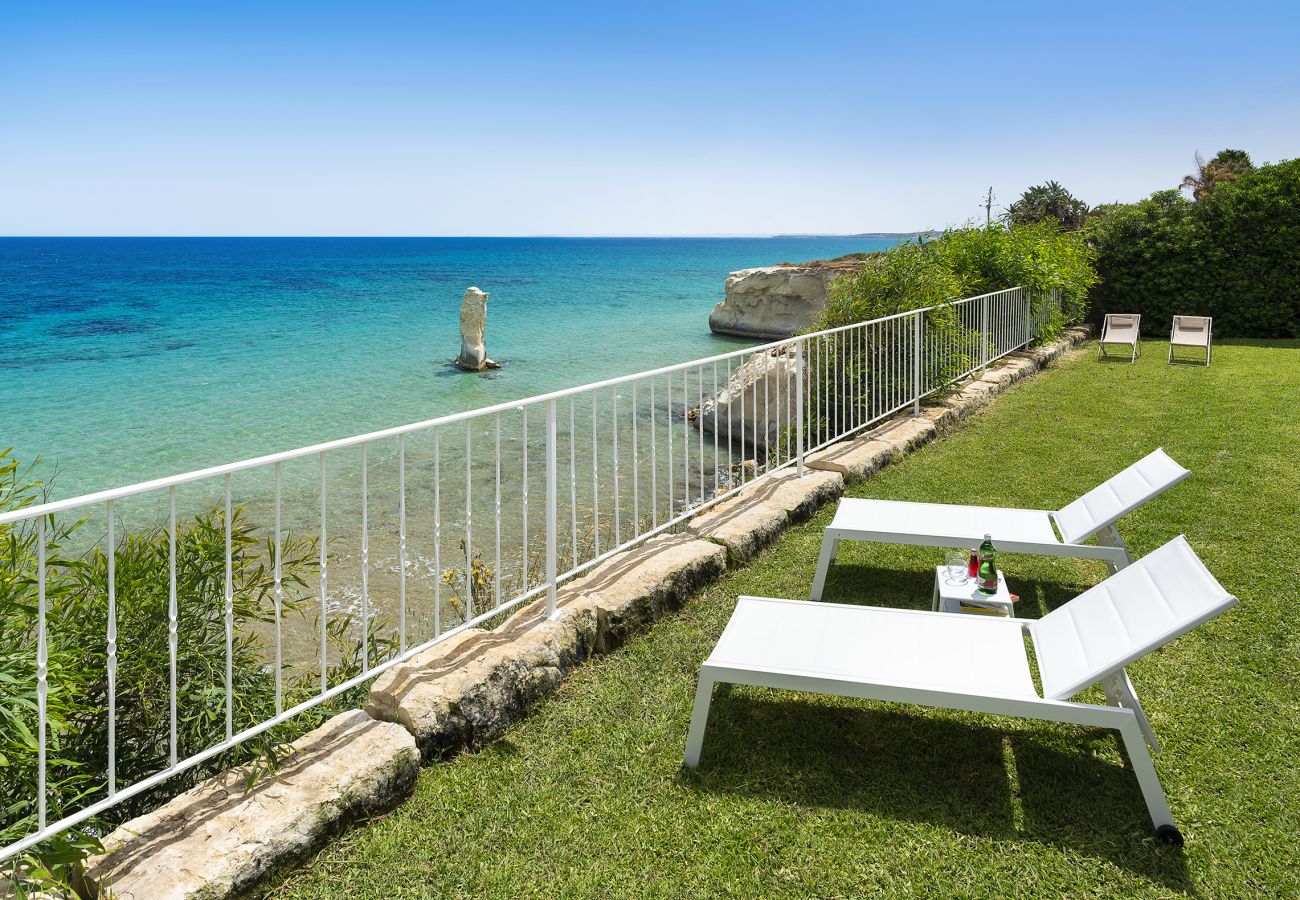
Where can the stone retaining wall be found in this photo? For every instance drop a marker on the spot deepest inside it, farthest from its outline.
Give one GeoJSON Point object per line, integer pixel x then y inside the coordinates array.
{"type": "Point", "coordinates": [223, 837]}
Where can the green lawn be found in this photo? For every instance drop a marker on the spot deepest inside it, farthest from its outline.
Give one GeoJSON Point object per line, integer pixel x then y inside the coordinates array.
{"type": "Point", "coordinates": [807, 796]}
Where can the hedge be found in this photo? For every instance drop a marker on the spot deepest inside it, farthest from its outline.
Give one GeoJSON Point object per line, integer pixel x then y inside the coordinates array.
{"type": "Point", "coordinates": [1235, 255]}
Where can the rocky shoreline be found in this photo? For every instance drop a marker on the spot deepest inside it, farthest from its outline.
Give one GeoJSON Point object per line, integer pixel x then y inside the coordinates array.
{"type": "Point", "coordinates": [774, 302]}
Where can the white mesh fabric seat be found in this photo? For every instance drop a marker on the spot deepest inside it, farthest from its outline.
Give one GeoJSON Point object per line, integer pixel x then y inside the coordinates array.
{"type": "Point", "coordinates": [1196, 332]}
{"type": "Point", "coordinates": [1013, 530]}
{"type": "Point", "coordinates": [978, 664]}
{"type": "Point", "coordinates": [1105, 504]}
{"type": "Point", "coordinates": [1120, 329]}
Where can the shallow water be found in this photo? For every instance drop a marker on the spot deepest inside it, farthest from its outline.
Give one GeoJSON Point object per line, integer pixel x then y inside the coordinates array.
{"type": "Point", "coordinates": [133, 358]}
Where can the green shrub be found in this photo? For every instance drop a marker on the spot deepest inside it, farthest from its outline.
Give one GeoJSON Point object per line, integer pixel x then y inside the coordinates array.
{"type": "Point", "coordinates": [77, 703]}
{"type": "Point", "coordinates": [1233, 255]}
{"type": "Point", "coordinates": [1040, 257]}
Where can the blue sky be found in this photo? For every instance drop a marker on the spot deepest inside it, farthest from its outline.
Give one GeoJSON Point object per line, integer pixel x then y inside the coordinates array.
{"type": "Point", "coordinates": [608, 118]}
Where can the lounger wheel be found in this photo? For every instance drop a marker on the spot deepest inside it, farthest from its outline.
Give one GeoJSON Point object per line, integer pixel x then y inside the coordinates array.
{"type": "Point", "coordinates": [1169, 835]}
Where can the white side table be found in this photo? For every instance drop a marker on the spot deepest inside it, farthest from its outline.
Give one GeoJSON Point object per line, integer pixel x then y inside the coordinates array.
{"type": "Point", "coordinates": [966, 597]}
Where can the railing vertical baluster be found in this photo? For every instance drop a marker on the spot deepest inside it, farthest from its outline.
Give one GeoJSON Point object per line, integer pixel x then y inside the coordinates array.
{"type": "Point", "coordinates": [798, 421]}
{"type": "Point", "coordinates": [437, 532]}
{"type": "Point", "coordinates": [762, 422]}
{"type": "Point", "coordinates": [618, 511]}
{"type": "Point", "coordinates": [365, 560]}
{"type": "Point", "coordinates": [916, 361]}
{"type": "Point", "coordinates": [468, 612]}
{"type": "Point", "coordinates": [496, 573]}
{"type": "Point", "coordinates": [324, 581]}
{"type": "Point", "coordinates": [731, 445]}
{"type": "Point", "coordinates": [551, 523]}
{"type": "Point", "coordinates": [716, 425]}
{"type": "Point", "coordinates": [525, 540]}
{"type": "Point", "coordinates": [573, 477]}
{"type": "Point", "coordinates": [230, 621]}
{"type": "Point", "coordinates": [401, 543]}
{"type": "Point", "coordinates": [636, 469]}
{"type": "Point", "coordinates": [851, 339]}
{"type": "Point", "coordinates": [112, 652]}
{"type": "Point", "coordinates": [699, 422]}
{"type": "Point", "coordinates": [278, 599]}
{"type": "Point", "coordinates": [668, 392]}
{"type": "Point", "coordinates": [172, 615]}
{"type": "Point", "coordinates": [843, 412]}
{"type": "Point", "coordinates": [984, 331]}
{"type": "Point", "coordinates": [42, 672]}
{"type": "Point", "coordinates": [686, 436]}
{"type": "Point", "coordinates": [654, 460]}
{"type": "Point", "coordinates": [595, 480]}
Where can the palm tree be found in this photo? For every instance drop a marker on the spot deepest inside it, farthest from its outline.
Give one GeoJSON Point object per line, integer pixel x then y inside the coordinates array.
{"type": "Point", "coordinates": [1047, 201]}
{"type": "Point", "coordinates": [1226, 165]}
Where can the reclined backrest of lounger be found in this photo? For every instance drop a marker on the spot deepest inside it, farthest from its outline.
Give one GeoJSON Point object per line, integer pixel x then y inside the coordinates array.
{"type": "Point", "coordinates": [1120, 327]}
{"type": "Point", "coordinates": [1153, 474]}
{"type": "Point", "coordinates": [1166, 593]}
{"type": "Point", "coordinates": [1191, 331]}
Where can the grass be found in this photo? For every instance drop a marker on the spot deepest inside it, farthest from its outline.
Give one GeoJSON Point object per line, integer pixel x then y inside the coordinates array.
{"type": "Point", "coordinates": [811, 796]}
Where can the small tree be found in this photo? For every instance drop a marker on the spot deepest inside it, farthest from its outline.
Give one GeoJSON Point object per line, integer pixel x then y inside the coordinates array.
{"type": "Point", "coordinates": [1047, 201]}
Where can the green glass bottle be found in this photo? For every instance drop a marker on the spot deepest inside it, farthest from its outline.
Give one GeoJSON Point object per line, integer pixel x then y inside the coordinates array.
{"type": "Point", "coordinates": [988, 571]}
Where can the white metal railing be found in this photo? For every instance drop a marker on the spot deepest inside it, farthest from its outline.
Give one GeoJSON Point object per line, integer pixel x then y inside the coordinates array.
{"type": "Point", "coordinates": [431, 528]}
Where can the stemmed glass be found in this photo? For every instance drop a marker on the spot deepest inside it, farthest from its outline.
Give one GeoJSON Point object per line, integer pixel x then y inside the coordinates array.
{"type": "Point", "coordinates": [956, 561]}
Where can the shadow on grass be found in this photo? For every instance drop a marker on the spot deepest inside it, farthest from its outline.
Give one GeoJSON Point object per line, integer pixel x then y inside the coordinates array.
{"type": "Point", "coordinates": [945, 772]}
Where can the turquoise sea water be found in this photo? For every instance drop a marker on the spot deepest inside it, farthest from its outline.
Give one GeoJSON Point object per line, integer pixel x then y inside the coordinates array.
{"type": "Point", "coordinates": [126, 359]}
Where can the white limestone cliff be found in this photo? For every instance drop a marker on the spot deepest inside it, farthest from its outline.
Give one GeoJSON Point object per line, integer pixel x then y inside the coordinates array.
{"type": "Point", "coordinates": [773, 302]}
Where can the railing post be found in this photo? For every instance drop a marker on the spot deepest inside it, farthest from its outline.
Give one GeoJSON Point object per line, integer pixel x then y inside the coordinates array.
{"type": "Point", "coordinates": [1029, 316]}
{"type": "Point", "coordinates": [984, 333]}
{"type": "Point", "coordinates": [916, 363]}
{"type": "Point", "coordinates": [550, 507]}
{"type": "Point", "coordinates": [798, 418]}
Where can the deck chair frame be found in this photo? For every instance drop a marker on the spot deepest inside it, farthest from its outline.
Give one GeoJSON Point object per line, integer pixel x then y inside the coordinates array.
{"type": "Point", "coordinates": [1135, 343]}
{"type": "Point", "coordinates": [1013, 530]}
{"type": "Point", "coordinates": [1174, 342]}
{"type": "Point", "coordinates": [978, 664]}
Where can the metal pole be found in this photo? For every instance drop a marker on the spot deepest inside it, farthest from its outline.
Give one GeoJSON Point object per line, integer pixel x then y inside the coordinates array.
{"type": "Point", "coordinates": [550, 507]}
{"type": "Point", "coordinates": [798, 420]}
{"type": "Point", "coordinates": [916, 363]}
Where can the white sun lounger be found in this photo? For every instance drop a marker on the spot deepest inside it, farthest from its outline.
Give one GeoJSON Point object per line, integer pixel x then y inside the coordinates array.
{"type": "Point", "coordinates": [978, 663]}
{"type": "Point", "coordinates": [1013, 530]}
{"type": "Point", "coordinates": [1192, 331]}
{"type": "Point", "coordinates": [1121, 329]}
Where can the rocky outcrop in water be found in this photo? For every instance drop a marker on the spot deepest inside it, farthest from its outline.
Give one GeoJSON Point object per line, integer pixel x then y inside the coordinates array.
{"type": "Point", "coordinates": [774, 302]}
{"type": "Point", "coordinates": [755, 404]}
{"type": "Point", "coordinates": [473, 328]}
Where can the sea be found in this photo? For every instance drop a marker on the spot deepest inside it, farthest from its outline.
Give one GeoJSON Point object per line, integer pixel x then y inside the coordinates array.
{"type": "Point", "coordinates": [127, 359]}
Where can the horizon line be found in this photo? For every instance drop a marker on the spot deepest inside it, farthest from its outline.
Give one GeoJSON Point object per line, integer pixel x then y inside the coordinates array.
{"type": "Point", "coordinates": [657, 235]}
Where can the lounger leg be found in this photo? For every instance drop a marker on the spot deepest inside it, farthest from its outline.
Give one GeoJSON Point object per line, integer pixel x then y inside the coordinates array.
{"type": "Point", "coordinates": [830, 547]}
{"type": "Point", "coordinates": [1110, 537]}
{"type": "Point", "coordinates": [1130, 700]}
{"type": "Point", "coordinates": [1149, 781]}
{"type": "Point", "coordinates": [699, 719]}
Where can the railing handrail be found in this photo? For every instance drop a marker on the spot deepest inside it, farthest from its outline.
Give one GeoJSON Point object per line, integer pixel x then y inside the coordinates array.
{"type": "Point", "coordinates": [55, 506]}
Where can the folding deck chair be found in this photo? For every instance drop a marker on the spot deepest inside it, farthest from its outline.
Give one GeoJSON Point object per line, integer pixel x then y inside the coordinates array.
{"type": "Point", "coordinates": [1013, 530]}
{"type": "Point", "coordinates": [1191, 331]}
{"type": "Point", "coordinates": [978, 663]}
{"type": "Point", "coordinates": [1120, 329]}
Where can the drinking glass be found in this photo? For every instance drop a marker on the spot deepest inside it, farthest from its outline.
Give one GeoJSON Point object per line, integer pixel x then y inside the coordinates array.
{"type": "Point", "coordinates": [956, 561]}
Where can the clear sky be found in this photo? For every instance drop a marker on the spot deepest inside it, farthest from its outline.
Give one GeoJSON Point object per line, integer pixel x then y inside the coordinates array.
{"type": "Point", "coordinates": [610, 118]}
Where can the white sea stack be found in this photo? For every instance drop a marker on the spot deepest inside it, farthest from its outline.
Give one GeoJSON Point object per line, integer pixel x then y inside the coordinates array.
{"type": "Point", "coordinates": [473, 327]}
{"type": "Point", "coordinates": [755, 404]}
